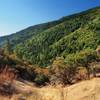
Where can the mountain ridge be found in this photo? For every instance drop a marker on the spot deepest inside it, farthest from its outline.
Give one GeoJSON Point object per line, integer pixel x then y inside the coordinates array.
{"type": "Point", "coordinates": [50, 21]}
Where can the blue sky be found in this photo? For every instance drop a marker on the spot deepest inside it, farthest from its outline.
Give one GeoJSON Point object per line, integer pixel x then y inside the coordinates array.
{"type": "Point", "coordinates": [19, 14]}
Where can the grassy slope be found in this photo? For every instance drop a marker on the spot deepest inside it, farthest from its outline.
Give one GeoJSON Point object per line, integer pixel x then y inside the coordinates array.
{"type": "Point", "coordinates": [86, 90]}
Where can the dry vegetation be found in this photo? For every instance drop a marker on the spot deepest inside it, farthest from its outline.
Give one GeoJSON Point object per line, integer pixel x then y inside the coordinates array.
{"type": "Point", "coordinates": [7, 76]}
{"type": "Point", "coordinates": [12, 89]}
{"type": "Point", "coordinates": [85, 90]}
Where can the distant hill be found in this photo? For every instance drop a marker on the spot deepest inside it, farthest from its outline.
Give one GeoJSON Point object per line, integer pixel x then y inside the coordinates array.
{"type": "Point", "coordinates": [41, 44]}
{"type": "Point", "coordinates": [27, 33]}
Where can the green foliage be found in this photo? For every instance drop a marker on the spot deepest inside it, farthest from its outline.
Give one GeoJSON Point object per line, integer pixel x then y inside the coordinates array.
{"type": "Point", "coordinates": [41, 79]}
{"type": "Point", "coordinates": [81, 58]}
{"type": "Point", "coordinates": [7, 47]}
{"type": "Point", "coordinates": [61, 72]}
{"type": "Point", "coordinates": [64, 45]}
{"type": "Point", "coordinates": [65, 71]}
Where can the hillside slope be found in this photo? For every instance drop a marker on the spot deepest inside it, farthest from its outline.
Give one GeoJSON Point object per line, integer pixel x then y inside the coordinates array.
{"type": "Point", "coordinates": [41, 44]}
{"type": "Point", "coordinates": [75, 34]}
{"type": "Point", "coordinates": [86, 90]}
{"type": "Point", "coordinates": [27, 33]}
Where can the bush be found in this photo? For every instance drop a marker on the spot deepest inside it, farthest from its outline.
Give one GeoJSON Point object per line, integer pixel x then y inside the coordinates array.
{"type": "Point", "coordinates": [69, 74]}
{"type": "Point", "coordinates": [41, 79]}
{"type": "Point", "coordinates": [83, 58]}
{"type": "Point", "coordinates": [7, 75]}
{"type": "Point", "coordinates": [81, 74]}
{"type": "Point", "coordinates": [62, 73]}
{"type": "Point", "coordinates": [56, 70]}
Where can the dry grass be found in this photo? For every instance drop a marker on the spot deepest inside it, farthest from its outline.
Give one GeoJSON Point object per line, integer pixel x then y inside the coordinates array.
{"type": "Point", "coordinates": [7, 77]}
{"type": "Point", "coordinates": [85, 90]}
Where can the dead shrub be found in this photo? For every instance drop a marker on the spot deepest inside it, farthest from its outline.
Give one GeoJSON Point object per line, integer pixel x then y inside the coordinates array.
{"type": "Point", "coordinates": [81, 74]}
{"type": "Point", "coordinates": [7, 76]}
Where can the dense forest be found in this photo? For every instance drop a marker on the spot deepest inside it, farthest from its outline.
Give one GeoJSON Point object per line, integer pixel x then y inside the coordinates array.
{"type": "Point", "coordinates": [57, 50]}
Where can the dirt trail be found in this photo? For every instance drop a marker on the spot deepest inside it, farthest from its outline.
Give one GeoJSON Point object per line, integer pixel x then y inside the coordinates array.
{"type": "Point", "coordinates": [85, 90]}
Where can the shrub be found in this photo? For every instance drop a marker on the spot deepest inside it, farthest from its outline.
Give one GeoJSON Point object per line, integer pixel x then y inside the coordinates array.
{"type": "Point", "coordinates": [81, 73]}
{"type": "Point", "coordinates": [62, 73]}
{"type": "Point", "coordinates": [69, 74]}
{"type": "Point", "coordinates": [83, 58]}
{"type": "Point", "coordinates": [7, 75]}
{"type": "Point", "coordinates": [41, 79]}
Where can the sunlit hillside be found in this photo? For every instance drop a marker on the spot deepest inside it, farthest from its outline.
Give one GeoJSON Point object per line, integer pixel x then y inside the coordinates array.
{"type": "Point", "coordinates": [58, 60]}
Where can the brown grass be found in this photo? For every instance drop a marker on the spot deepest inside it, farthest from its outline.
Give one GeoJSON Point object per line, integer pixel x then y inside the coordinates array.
{"type": "Point", "coordinates": [7, 77]}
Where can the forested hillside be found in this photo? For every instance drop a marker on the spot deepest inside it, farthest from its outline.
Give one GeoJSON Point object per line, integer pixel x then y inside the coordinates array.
{"type": "Point", "coordinates": [27, 33]}
{"type": "Point", "coordinates": [65, 38]}
{"type": "Point", "coordinates": [59, 52]}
